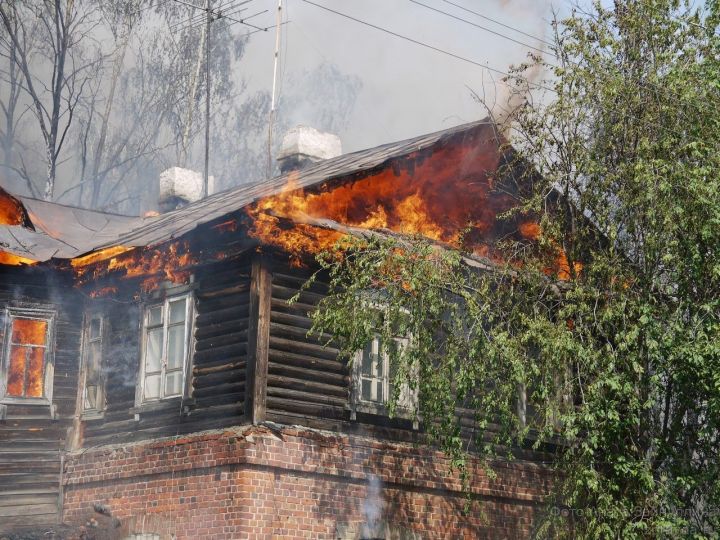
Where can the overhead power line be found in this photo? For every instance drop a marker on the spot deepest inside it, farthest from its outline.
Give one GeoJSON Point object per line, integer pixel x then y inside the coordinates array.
{"type": "Point", "coordinates": [485, 28]}
{"type": "Point", "coordinates": [500, 23]}
{"type": "Point", "coordinates": [428, 46]}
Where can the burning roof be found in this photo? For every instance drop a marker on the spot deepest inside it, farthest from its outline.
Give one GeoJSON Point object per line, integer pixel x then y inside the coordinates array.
{"type": "Point", "coordinates": [440, 185]}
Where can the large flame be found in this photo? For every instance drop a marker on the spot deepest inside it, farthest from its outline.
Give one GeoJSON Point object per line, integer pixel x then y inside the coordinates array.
{"type": "Point", "coordinates": [27, 358]}
{"type": "Point", "coordinates": [446, 193]}
{"type": "Point", "coordinates": [156, 264]}
{"type": "Point", "coordinates": [12, 211]}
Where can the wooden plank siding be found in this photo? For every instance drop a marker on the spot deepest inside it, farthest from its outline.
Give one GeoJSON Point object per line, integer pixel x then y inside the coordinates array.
{"type": "Point", "coordinates": [218, 361]}
{"type": "Point", "coordinates": [33, 436]}
{"type": "Point", "coordinates": [306, 379]}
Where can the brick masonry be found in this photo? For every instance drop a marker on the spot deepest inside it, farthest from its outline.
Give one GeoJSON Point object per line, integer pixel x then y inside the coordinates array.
{"type": "Point", "coordinates": [255, 482]}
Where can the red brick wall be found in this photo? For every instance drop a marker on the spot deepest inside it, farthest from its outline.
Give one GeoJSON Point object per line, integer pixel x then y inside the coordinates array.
{"type": "Point", "coordinates": [294, 483]}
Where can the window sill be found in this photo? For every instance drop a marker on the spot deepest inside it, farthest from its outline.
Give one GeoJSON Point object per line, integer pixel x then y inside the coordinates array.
{"type": "Point", "coordinates": [37, 403]}
{"type": "Point", "coordinates": [163, 405]}
{"type": "Point", "coordinates": [92, 415]}
{"type": "Point", "coordinates": [25, 401]}
{"type": "Point", "coordinates": [378, 409]}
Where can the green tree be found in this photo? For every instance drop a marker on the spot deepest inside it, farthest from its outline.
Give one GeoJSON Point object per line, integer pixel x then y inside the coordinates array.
{"type": "Point", "coordinates": [620, 363]}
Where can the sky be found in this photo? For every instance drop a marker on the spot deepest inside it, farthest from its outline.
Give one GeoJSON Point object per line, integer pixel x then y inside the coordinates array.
{"type": "Point", "coordinates": [407, 89]}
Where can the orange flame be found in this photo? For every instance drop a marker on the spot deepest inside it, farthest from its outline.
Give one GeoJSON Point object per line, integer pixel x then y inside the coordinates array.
{"type": "Point", "coordinates": [27, 358]}
{"type": "Point", "coordinates": [445, 193]}
{"type": "Point", "coordinates": [11, 259]}
{"type": "Point", "coordinates": [97, 256]}
{"type": "Point", "coordinates": [167, 262]}
{"type": "Point", "coordinates": [12, 211]}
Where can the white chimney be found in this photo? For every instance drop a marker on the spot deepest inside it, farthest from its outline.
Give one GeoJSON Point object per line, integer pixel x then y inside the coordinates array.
{"type": "Point", "coordinates": [179, 187]}
{"type": "Point", "coordinates": [304, 145]}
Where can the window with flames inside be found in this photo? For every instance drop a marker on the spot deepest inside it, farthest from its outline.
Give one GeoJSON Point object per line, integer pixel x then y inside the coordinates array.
{"type": "Point", "coordinates": [27, 374]}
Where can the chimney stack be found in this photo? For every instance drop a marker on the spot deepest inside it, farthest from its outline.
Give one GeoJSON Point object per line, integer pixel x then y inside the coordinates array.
{"type": "Point", "coordinates": [179, 187]}
{"type": "Point", "coordinates": [303, 146]}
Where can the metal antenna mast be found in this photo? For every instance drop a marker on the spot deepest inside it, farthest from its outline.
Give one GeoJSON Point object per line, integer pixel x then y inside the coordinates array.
{"type": "Point", "coordinates": [274, 84]}
{"type": "Point", "coordinates": [208, 20]}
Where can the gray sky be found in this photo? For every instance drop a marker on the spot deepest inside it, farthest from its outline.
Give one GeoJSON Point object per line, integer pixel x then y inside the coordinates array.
{"type": "Point", "coordinates": [407, 89]}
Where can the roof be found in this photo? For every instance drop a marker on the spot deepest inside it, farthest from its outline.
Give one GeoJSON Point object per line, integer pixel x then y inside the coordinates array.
{"type": "Point", "coordinates": [66, 232]}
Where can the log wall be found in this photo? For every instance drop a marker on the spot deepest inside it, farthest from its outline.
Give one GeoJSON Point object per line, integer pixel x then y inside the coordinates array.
{"type": "Point", "coordinates": [33, 437]}
{"type": "Point", "coordinates": [218, 356]}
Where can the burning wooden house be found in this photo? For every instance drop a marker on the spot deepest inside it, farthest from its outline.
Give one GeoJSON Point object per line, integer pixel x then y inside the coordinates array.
{"type": "Point", "coordinates": [156, 383]}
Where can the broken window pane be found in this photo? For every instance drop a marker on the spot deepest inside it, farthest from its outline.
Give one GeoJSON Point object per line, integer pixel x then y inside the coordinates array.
{"type": "Point", "coordinates": [91, 397]}
{"type": "Point", "coordinates": [29, 331]}
{"type": "Point", "coordinates": [177, 311]}
{"type": "Point", "coordinates": [16, 371]}
{"type": "Point", "coordinates": [153, 352]}
{"type": "Point", "coordinates": [367, 359]}
{"type": "Point", "coordinates": [94, 331]}
{"type": "Point", "coordinates": [35, 372]}
{"type": "Point", "coordinates": [155, 316]}
{"type": "Point", "coordinates": [152, 386]}
{"type": "Point", "coordinates": [176, 346]}
{"type": "Point", "coordinates": [173, 383]}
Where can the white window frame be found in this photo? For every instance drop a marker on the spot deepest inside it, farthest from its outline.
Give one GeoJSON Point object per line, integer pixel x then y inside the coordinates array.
{"type": "Point", "coordinates": [47, 316]}
{"type": "Point", "coordinates": [97, 378]}
{"type": "Point", "coordinates": [408, 399]}
{"type": "Point", "coordinates": [140, 398]}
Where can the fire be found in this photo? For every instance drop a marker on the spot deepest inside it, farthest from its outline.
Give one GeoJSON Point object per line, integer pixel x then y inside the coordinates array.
{"type": "Point", "coordinates": [100, 255]}
{"type": "Point", "coordinates": [27, 358]}
{"type": "Point", "coordinates": [14, 260]}
{"type": "Point", "coordinates": [447, 193]}
{"type": "Point", "coordinates": [167, 262]}
{"type": "Point", "coordinates": [444, 193]}
{"type": "Point", "coordinates": [12, 211]}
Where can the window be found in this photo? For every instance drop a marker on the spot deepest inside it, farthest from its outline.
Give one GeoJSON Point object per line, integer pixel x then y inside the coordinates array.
{"type": "Point", "coordinates": [166, 336]}
{"type": "Point", "coordinates": [27, 370]}
{"type": "Point", "coordinates": [94, 388]}
{"type": "Point", "coordinates": [374, 376]}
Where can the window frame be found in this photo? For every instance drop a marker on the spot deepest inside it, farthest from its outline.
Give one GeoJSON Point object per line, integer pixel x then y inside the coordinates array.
{"type": "Point", "coordinates": [189, 323]}
{"type": "Point", "coordinates": [40, 313]}
{"type": "Point", "coordinates": [405, 410]}
{"type": "Point", "coordinates": [96, 412]}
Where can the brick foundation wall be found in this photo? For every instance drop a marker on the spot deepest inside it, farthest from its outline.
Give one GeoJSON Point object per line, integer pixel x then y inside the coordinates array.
{"type": "Point", "coordinates": [255, 482]}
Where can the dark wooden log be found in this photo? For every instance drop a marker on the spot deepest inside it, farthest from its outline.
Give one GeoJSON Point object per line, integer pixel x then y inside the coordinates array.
{"type": "Point", "coordinates": [228, 351]}
{"type": "Point", "coordinates": [221, 302]}
{"type": "Point", "coordinates": [306, 397]}
{"type": "Point", "coordinates": [218, 368]}
{"type": "Point", "coordinates": [221, 341]}
{"type": "Point", "coordinates": [301, 360]}
{"type": "Point", "coordinates": [310, 349]}
{"type": "Point", "coordinates": [220, 329]}
{"type": "Point", "coordinates": [227, 388]}
{"type": "Point", "coordinates": [258, 336]}
{"type": "Point", "coordinates": [307, 386]}
{"type": "Point", "coordinates": [327, 377]}
{"type": "Point", "coordinates": [238, 311]}
{"type": "Point", "coordinates": [219, 378]}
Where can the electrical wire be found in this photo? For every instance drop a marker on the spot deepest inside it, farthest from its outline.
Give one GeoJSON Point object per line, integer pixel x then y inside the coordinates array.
{"type": "Point", "coordinates": [500, 23]}
{"type": "Point", "coordinates": [499, 34]}
{"type": "Point", "coordinates": [428, 46]}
